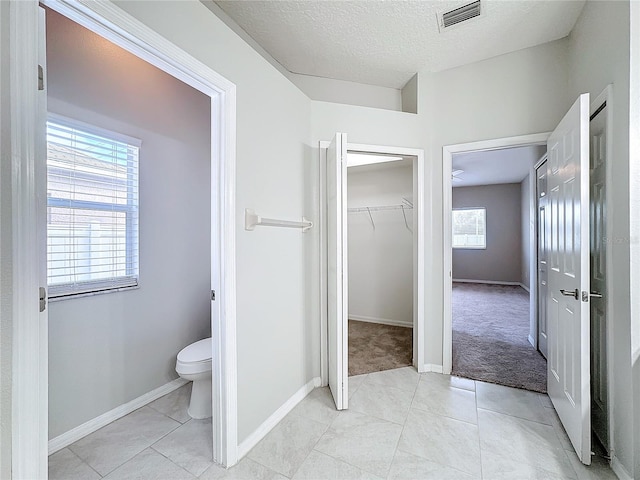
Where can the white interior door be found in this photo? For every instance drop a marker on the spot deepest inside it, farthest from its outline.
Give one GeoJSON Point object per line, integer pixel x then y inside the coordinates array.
{"type": "Point", "coordinates": [599, 320]}
{"type": "Point", "coordinates": [337, 316]}
{"type": "Point", "coordinates": [542, 251]}
{"type": "Point", "coordinates": [568, 372]}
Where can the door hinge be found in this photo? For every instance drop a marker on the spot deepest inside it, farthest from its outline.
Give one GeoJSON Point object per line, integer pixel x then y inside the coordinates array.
{"type": "Point", "coordinates": [213, 295]}
{"type": "Point", "coordinates": [40, 78]}
{"type": "Point", "coordinates": [43, 298]}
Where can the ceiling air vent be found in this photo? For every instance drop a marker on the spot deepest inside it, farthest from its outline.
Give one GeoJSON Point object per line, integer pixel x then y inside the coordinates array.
{"type": "Point", "coordinates": [460, 14]}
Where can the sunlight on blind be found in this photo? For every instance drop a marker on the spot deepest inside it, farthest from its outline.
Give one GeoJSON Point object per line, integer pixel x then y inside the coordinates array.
{"type": "Point", "coordinates": [92, 210]}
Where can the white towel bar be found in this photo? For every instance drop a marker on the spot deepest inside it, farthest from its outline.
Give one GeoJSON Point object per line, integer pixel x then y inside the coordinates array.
{"type": "Point", "coordinates": [251, 220]}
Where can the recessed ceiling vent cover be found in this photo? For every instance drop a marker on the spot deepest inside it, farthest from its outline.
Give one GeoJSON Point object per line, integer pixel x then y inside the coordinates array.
{"type": "Point", "coordinates": [460, 14]}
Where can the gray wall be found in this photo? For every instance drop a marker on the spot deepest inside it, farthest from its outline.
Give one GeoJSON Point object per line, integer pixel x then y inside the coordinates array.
{"type": "Point", "coordinates": [501, 261]}
{"type": "Point", "coordinates": [106, 350]}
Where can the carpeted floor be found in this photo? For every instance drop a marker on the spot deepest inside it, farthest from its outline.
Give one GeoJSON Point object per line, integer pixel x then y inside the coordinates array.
{"type": "Point", "coordinates": [490, 337]}
{"type": "Point", "coordinates": [374, 347]}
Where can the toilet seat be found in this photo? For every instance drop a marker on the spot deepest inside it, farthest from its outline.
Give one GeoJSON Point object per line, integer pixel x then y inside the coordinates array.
{"type": "Point", "coordinates": [199, 351]}
{"type": "Point", "coordinates": [195, 358]}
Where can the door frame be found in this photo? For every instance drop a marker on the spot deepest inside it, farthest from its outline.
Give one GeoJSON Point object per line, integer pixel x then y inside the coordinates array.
{"type": "Point", "coordinates": [447, 158]}
{"type": "Point", "coordinates": [418, 245]}
{"type": "Point", "coordinates": [533, 212]}
{"type": "Point", "coordinates": [29, 416]}
{"type": "Point", "coordinates": [606, 96]}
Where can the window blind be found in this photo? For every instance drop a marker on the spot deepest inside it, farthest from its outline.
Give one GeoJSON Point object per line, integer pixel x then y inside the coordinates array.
{"type": "Point", "coordinates": [92, 209]}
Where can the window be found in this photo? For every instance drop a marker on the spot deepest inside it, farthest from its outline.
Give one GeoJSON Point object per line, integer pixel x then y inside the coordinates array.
{"type": "Point", "coordinates": [92, 209]}
{"type": "Point", "coordinates": [469, 228]}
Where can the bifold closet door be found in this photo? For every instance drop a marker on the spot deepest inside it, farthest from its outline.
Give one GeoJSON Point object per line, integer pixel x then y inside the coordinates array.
{"type": "Point", "coordinates": [337, 316]}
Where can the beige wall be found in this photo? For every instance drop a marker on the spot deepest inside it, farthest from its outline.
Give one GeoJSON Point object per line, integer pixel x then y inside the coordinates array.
{"type": "Point", "coordinates": [501, 261]}
{"type": "Point", "coordinates": [106, 350]}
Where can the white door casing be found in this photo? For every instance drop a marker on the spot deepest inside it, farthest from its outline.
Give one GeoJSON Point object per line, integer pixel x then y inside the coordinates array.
{"type": "Point", "coordinates": [542, 250]}
{"type": "Point", "coordinates": [568, 371]}
{"type": "Point", "coordinates": [29, 392]}
{"type": "Point", "coordinates": [448, 151]}
{"type": "Point", "coordinates": [337, 296]}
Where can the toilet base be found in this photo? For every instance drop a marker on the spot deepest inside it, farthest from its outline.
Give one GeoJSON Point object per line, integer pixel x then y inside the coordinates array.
{"type": "Point", "coordinates": [200, 403]}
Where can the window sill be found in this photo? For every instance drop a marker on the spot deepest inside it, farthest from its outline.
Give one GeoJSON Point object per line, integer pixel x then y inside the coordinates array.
{"type": "Point", "coordinates": [73, 296]}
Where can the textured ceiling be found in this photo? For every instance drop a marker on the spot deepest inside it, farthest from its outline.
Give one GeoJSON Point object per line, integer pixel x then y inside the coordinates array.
{"type": "Point", "coordinates": [386, 42]}
{"type": "Point", "coordinates": [507, 165]}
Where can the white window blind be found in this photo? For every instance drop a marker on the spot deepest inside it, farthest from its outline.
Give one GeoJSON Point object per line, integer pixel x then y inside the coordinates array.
{"type": "Point", "coordinates": [92, 209]}
{"type": "Point", "coordinates": [469, 228]}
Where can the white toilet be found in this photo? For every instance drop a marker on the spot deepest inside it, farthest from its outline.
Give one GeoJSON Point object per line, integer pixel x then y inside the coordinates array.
{"type": "Point", "coordinates": [194, 363]}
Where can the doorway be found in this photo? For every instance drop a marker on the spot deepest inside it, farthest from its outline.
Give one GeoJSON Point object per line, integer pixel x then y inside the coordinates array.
{"type": "Point", "coordinates": [125, 32]}
{"type": "Point", "coordinates": [380, 262]}
{"type": "Point", "coordinates": [492, 338]}
{"type": "Point", "coordinates": [334, 193]}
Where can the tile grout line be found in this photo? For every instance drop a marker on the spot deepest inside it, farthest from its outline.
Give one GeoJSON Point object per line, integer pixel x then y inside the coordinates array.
{"type": "Point", "coordinates": [83, 461]}
{"type": "Point", "coordinates": [515, 416]}
{"type": "Point", "coordinates": [478, 419]}
{"type": "Point", "coordinates": [395, 452]}
{"type": "Point", "coordinates": [312, 448]}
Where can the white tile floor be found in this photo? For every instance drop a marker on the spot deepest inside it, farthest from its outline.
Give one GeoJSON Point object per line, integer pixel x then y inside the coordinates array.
{"type": "Point", "coordinates": [400, 425]}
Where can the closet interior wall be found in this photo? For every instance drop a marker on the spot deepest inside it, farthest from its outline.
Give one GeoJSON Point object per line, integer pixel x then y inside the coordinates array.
{"type": "Point", "coordinates": [381, 242]}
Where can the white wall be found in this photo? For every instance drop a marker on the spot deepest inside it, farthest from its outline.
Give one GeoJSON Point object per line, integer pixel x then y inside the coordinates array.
{"type": "Point", "coordinates": [380, 258]}
{"type": "Point", "coordinates": [501, 261]}
{"type": "Point", "coordinates": [106, 350]}
{"type": "Point", "coordinates": [599, 55]}
{"type": "Point", "coordinates": [634, 215]}
{"type": "Point", "coordinates": [352, 93]}
{"type": "Point", "coordinates": [410, 95]}
{"type": "Point", "coordinates": [515, 94]}
{"type": "Point", "coordinates": [6, 284]}
{"type": "Point", "coordinates": [277, 270]}
{"type": "Point", "coordinates": [388, 128]}
{"type": "Point", "coordinates": [526, 226]}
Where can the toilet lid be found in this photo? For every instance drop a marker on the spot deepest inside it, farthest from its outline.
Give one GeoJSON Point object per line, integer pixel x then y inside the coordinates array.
{"type": "Point", "coordinates": [196, 352]}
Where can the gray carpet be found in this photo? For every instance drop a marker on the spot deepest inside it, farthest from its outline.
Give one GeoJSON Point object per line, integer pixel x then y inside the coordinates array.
{"type": "Point", "coordinates": [490, 337]}
{"type": "Point", "coordinates": [374, 347]}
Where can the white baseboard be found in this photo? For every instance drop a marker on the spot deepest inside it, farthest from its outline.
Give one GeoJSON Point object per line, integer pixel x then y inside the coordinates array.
{"type": "Point", "coordinates": [619, 469]}
{"type": "Point", "coordinates": [382, 321]}
{"type": "Point", "coordinates": [430, 367]}
{"type": "Point", "coordinates": [253, 439]}
{"type": "Point", "coordinates": [491, 282]}
{"type": "Point", "coordinates": [75, 434]}
{"type": "Point", "coordinates": [531, 341]}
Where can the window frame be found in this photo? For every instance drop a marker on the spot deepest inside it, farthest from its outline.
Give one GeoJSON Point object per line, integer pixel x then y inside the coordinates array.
{"type": "Point", "coordinates": [131, 280]}
{"type": "Point", "coordinates": [468, 247]}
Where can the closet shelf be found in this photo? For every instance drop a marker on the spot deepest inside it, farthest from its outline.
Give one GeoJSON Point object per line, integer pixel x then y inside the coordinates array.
{"type": "Point", "coordinates": [405, 205]}
{"type": "Point", "coordinates": [379, 208]}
